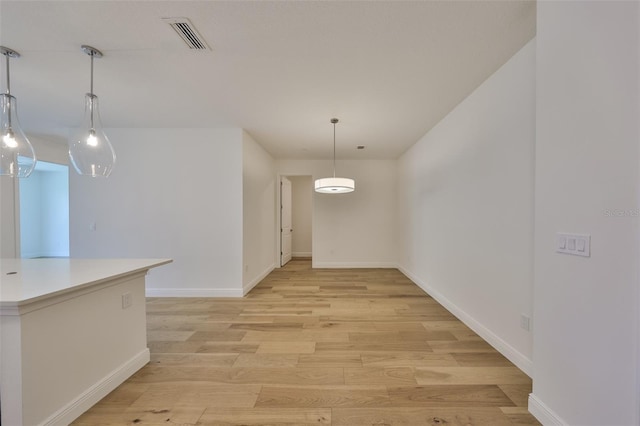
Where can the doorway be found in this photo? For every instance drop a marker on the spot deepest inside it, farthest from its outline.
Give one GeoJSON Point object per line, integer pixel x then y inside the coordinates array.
{"type": "Point", "coordinates": [286, 223]}
{"type": "Point", "coordinates": [44, 212]}
{"type": "Point", "coordinates": [296, 194]}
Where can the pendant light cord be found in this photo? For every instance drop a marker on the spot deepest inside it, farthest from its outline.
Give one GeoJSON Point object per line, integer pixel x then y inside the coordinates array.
{"type": "Point", "coordinates": [91, 92]}
{"type": "Point", "coordinates": [6, 58]}
{"type": "Point", "coordinates": [334, 150]}
{"type": "Point", "coordinates": [9, 111]}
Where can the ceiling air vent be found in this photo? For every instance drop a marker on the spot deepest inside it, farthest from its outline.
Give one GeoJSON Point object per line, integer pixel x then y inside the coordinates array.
{"type": "Point", "coordinates": [188, 33]}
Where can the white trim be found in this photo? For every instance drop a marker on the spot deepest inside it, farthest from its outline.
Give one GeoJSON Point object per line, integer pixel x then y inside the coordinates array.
{"type": "Point", "coordinates": [39, 254]}
{"type": "Point", "coordinates": [95, 393]}
{"type": "Point", "coordinates": [194, 292]}
{"type": "Point", "coordinates": [301, 254]}
{"type": "Point", "coordinates": [521, 361]}
{"type": "Point", "coordinates": [337, 265]}
{"type": "Point", "coordinates": [249, 286]}
{"type": "Point", "coordinates": [32, 255]}
{"type": "Point", "coordinates": [544, 414]}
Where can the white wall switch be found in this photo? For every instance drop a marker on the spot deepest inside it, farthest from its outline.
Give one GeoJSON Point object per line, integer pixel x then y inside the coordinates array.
{"type": "Point", "coordinates": [575, 244]}
{"type": "Point", "coordinates": [562, 242]}
{"type": "Point", "coordinates": [126, 300]}
{"type": "Point", "coordinates": [525, 322]}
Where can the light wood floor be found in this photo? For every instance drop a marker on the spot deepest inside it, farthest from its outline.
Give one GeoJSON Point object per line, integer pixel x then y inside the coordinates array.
{"type": "Point", "coordinates": [316, 347]}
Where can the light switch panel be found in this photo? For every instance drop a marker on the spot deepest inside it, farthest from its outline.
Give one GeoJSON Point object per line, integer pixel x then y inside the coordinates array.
{"type": "Point", "coordinates": [575, 244]}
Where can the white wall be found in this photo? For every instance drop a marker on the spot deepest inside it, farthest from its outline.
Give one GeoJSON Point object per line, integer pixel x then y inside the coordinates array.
{"type": "Point", "coordinates": [301, 211]}
{"type": "Point", "coordinates": [50, 148]}
{"type": "Point", "coordinates": [258, 212]}
{"type": "Point", "coordinates": [174, 193]}
{"type": "Point", "coordinates": [465, 196]}
{"type": "Point", "coordinates": [587, 181]}
{"type": "Point", "coordinates": [355, 229]}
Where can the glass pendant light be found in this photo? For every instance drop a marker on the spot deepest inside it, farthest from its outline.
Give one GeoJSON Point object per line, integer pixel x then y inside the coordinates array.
{"type": "Point", "coordinates": [335, 185]}
{"type": "Point", "coordinates": [17, 157]}
{"type": "Point", "coordinates": [90, 151]}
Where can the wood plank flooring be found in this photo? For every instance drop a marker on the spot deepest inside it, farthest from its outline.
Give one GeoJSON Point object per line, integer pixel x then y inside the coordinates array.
{"type": "Point", "coordinates": [316, 347]}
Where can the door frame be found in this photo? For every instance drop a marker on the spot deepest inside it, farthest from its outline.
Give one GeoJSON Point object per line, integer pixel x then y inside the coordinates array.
{"type": "Point", "coordinates": [290, 226]}
{"type": "Point", "coordinates": [278, 218]}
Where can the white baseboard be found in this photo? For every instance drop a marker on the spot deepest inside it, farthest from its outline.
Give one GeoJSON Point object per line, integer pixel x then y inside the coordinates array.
{"type": "Point", "coordinates": [30, 255]}
{"type": "Point", "coordinates": [209, 292]}
{"type": "Point", "coordinates": [95, 393]}
{"type": "Point", "coordinates": [248, 287]}
{"type": "Point", "coordinates": [338, 265]}
{"type": "Point", "coordinates": [301, 254]}
{"type": "Point", "coordinates": [194, 292]}
{"type": "Point", "coordinates": [522, 362]}
{"type": "Point", "coordinates": [37, 255]}
{"type": "Point", "coordinates": [544, 414]}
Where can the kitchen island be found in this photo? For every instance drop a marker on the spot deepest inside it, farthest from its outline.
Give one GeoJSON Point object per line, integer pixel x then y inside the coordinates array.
{"type": "Point", "coordinates": [71, 331]}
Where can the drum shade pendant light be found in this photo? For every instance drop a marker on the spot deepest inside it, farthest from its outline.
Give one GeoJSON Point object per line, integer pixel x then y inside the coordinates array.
{"type": "Point", "coordinates": [335, 185]}
{"type": "Point", "coordinates": [90, 151]}
{"type": "Point", "coordinates": [17, 157]}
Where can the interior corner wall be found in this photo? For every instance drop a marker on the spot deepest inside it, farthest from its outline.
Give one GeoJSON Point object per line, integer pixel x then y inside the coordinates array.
{"type": "Point", "coordinates": [174, 193]}
{"type": "Point", "coordinates": [465, 197]}
{"type": "Point", "coordinates": [258, 213]}
{"type": "Point", "coordinates": [354, 230]}
{"type": "Point", "coordinates": [301, 215]}
{"type": "Point", "coordinates": [586, 333]}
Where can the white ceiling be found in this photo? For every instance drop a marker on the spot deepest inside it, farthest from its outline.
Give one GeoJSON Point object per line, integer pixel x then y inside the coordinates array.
{"type": "Point", "coordinates": [389, 70]}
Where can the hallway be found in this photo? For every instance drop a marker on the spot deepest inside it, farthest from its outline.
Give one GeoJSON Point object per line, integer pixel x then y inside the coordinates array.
{"type": "Point", "coordinates": [317, 346]}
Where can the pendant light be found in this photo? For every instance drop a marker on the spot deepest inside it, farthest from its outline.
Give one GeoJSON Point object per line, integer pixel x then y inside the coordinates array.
{"type": "Point", "coordinates": [90, 151]}
{"type": "Point", "coordinates": [17, 157]}
{"type": "Point", "coordinates": [335, 185]}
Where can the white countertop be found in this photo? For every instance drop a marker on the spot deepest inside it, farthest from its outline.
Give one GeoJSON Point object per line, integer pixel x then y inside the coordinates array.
{"type": "Point", "coordinates": [24, 281]}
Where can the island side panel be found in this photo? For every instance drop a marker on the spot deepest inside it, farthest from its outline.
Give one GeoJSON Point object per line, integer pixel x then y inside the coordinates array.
{"type": "Point", "coordinates": [75, 352]}
{"type": "Point", "coordinates": [10, 370]}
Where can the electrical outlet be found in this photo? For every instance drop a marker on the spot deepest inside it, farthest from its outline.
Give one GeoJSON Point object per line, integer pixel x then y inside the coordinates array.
{"type": "Point", "coordinates": [126, 300]}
